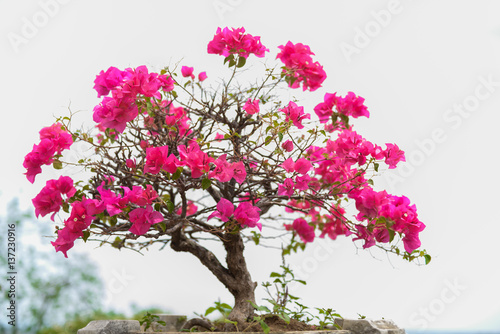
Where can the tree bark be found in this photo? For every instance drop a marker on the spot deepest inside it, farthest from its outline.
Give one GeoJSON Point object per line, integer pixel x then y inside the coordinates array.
{"type": "Point", "coordinates": [244, 288]}
{"type": "Point", "coordinates": [236, 277]}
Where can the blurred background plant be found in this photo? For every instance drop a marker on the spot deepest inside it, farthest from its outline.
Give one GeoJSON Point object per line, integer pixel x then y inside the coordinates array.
{"type": "Point", "coordinates": [53, 295]}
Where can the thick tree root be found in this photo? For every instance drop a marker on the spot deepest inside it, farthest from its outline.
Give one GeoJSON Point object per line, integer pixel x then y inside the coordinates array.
{"type": "Point", "coordinates": [198, 322]}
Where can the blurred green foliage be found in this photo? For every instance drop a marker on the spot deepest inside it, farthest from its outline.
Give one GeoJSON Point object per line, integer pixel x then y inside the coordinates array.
{"type": "Point", "coordinates": [50, 289]}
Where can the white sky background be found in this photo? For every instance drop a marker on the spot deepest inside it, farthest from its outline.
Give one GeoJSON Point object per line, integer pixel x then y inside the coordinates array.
{"type": "Point", "coordinates": [429, 57]}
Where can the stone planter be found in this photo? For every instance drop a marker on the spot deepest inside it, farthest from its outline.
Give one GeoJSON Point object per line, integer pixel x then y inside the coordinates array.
{"type": "Point", "coordinates": [175, 322]}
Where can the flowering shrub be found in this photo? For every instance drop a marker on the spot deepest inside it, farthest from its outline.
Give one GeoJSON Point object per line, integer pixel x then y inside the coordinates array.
{"type": "Point", "coordinates": [175, 158]}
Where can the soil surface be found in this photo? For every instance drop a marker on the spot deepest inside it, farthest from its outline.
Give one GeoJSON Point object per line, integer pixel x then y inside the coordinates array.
{"type": "Point", "coordinates": [275, 323]}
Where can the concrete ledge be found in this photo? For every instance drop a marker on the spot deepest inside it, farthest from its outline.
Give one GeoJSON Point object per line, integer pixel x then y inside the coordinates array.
{"type": "Point", "coordinates": [349, 326]}
{"type": "Point", "coordinates": [365, 326]}
{"type": "Point", "coordinates": [173, 323]}
{"type": "Point", "coordinates": [111, 327]}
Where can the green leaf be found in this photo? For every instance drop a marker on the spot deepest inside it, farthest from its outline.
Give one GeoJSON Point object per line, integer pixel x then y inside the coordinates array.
{"type": "Point", "coordinates": [116, 242]}
{"type": "Point", "coordinates": [391, 234]}
{"type": "Point", "coordinates": [226, 306]}
{"type": "Point", "coordinates": [427, 258]}
{"type": "Point", "coordinates": [229, 58]}
{"type": "Point", "coordinates": [57, 164]}
{"type": "Point", "coordinates": [280, 135]}
{"type": "Point", "coordinates": [86, 235]}
{"type": "Point", "coordinates": [273, 274]}
{"type": "Point", "coordinates": [376, 165]}
{"type": "Point", "coordinates": [170, 206]}
{"type": "Point", "coordinates": [256, 237]}
{"type": "Point", "coordinates": [210, 310]}
{"type": "Point", "coordinates": [241, 62]}
{"type": "Point", "coordinates": [264, 326]}
{"type": "Point", "coordinates": [205, 184]}
{"type": "Point", "coordinates": [177, 174]}
{"type": "Point", "coordinates": [285, 317]}
{"type": "Point", "coordinates": [301, 281]}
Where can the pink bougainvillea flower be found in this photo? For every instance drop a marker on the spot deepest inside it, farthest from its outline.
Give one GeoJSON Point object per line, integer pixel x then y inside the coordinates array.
{"type": "Point", "coordinates": [223, 171]}
{"type": "Point", "coordinates": [42, 154]}
{"type": "Point", "coordinates": [252, 107]}
{"type": "Point", "coordinates": [411, 242]}
{"type": "Point", "coordinates": [224, 210]}
{"type": "Point", "coordinates": [247, 215]}
{"type": "Point", "coordinates": [202, 76]}
{"type": "Point", "coordinates": [176, 118]}
{"type": "Point", "coordinates": [351, 147]}
{"type": "Point", "coordinates": [351, 105]}
{"type": "Point", "coordinates": [187, 72]}
{"type": "Point", "coordinates": [302, 182]}
{"type": "Point", "coordinates": [65, 240]}
{"type": "Point", "coordinates": [298, 205]}
{"type": "Point", "coordinates": [393, 155]}
{"type": "Point", "coordinates": [166, 83]}
{"type": "Point", "coordinates": [114, 203]}
{"type": "Point", "coordinates": [171, 164]}
{"type": "Point", "coordinates": [287, 188]}
{"type": "Point", "coordinates": [65, 185]}
{"type": "Point", "coordinates": [60, 138]}
{"type": "Point", "coordinates": [288, 165]}
{"type": "Point", "coordinates": [130, 163]}
{"type": "Point", "coordinates": [109, 80]}
{"type": "Point", "coordinates": [377, 152]}
{"type": "Point", "coordinates": [369, 202]}
{"type": "Point", "coordinates": [93, 206]}
{"type": "Point", "coordinates": [334, 225]}
{"type": "Point", "coordinates": [191, 209]}
{"type": "Point", "coordinates": [219, 136]}
{"type": "Point", "coordinates": [140, 196]}
{"type": "Point", "coordinates": [299, 66]}
{"type": "Point", "coordinates": [144, 83]}
{"type": "Point", "coordinates": [295, 114]}
{"type": "Point", "coordinates": [155, 159]}
{"type": "Point", "coordinates": [79, 218]}
{"type": "Point", "coordinates": [33, 165]}
{"type": "Point", "coordinates": [304, 230]}
{"type": "Point", "coordinates": [362, 233]}
{"type": "Point", "coordinates": [287, 145]}
{"type": "Point", "coordinates": [302, 166]}
{"type": "Point", "coordinates": [114, 112]}
{"type": "Point", "coordinates": [227, 42]}
{"type": "Point", "coordinates": [49, 199]}
{"type": "Point", "coordinates": [239, 171]}
{"type": "Point", "coordinates": [193, 157]}
{"type": "Point", "coordinates": [142, 219]}
{"type": "Point", "coordinates": [246, 197]}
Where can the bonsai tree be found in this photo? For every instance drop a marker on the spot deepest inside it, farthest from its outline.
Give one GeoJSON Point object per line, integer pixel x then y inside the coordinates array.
{"type": "Point", "coordinates": [176, 160]}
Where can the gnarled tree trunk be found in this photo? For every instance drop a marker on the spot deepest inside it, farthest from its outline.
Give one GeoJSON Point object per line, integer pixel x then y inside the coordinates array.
{"type": "Point", "coordinates": [235, 277]}
{"type": "Point", "coordinates": [243, 288]}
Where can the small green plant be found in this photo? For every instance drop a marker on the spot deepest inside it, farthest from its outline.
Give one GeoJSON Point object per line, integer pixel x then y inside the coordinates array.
{"type": "Point", "coordinates": [262, 323]}
{"type": "Point", "coordinates": [223, 308]}
{"type": "Point", "coordinates": [148, 320]}
{"type": "Point", "coordinates": [327, 318]}
{"type": "Point", "coordinates": [281, 299]}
